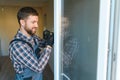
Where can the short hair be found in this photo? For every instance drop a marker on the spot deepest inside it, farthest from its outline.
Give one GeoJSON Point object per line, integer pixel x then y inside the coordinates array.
{"type": "Point", "coordinates": [25, 12]}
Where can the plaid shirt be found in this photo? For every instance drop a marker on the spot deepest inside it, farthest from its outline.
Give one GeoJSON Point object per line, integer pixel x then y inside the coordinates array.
{"type": "Point", "coordinates": [22, 56]}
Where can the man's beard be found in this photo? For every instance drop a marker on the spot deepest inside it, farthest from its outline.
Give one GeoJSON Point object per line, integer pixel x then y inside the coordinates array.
{"type": "Point", "coordinates": [29, 31]}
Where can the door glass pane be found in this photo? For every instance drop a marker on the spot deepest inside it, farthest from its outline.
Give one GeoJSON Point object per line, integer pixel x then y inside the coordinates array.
{"type": "Point", "coordinates": [80, 39]}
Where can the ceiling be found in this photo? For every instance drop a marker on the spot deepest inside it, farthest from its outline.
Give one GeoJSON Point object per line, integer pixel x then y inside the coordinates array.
{"type": "Point", "coordinates": [35, 3]}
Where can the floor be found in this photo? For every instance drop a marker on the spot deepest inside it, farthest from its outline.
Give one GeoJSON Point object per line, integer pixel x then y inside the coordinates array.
{"type": "Point", "coordinates": [7, 72]}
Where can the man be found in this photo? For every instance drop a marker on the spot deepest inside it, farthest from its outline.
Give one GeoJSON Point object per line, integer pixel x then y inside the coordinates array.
{"type": "Point", "coordinates": [27, 65]}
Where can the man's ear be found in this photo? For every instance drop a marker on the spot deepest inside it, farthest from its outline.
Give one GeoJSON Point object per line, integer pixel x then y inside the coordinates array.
{"type": "Point", "coordinates": [22, 22]}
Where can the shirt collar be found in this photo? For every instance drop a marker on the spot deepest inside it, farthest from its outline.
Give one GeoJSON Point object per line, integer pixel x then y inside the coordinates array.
{"type": "Point", "coordinates": [20, 35]}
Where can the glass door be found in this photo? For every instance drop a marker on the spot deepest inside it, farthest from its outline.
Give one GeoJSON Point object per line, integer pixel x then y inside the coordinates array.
{"type": "Point", "coordinates": [81, 39]}
{"type": "Point", "coordinates": [80, 25]}
{"type": "Point", "coordinates": [78, 43]}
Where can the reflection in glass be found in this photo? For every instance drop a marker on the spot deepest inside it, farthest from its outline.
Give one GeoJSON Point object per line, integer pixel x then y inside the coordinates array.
{"type": "Point", "coordinates": [70, 47]}
{"type": "Point", "coordinates": [79, 39]}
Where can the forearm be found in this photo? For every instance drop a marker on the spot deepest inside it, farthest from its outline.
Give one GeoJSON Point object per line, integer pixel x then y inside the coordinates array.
{"type": "Point", "coordinates": [43, 60]}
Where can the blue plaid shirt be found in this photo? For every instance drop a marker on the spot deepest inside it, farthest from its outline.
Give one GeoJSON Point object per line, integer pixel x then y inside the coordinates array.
{"type": "Point", "coordinates": [22, 56]}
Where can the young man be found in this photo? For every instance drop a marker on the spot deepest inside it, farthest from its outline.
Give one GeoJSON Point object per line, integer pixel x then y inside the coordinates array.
{"type": "Point", "coordinates": [26, 62]}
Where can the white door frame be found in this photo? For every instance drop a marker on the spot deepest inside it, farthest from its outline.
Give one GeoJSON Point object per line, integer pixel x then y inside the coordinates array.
{"type": "Point", "coordinates": [104, 19]}
{"type": "Point", "coordinates": [109, 18]}
{"type": "Point", "coordinates": [57, 38]}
